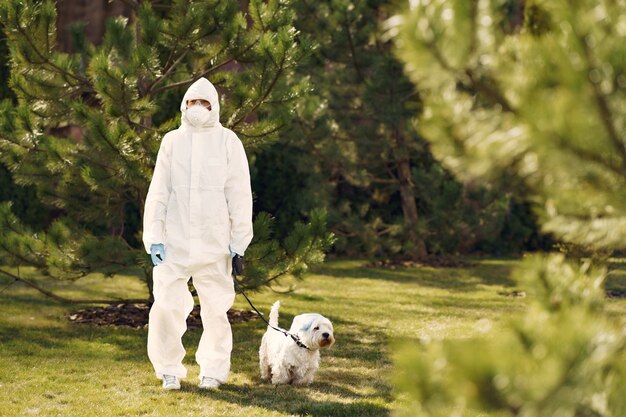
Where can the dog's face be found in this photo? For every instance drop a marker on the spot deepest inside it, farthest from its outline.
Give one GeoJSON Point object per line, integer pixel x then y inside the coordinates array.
{"type": "Point", "coordinates": [315, 330]}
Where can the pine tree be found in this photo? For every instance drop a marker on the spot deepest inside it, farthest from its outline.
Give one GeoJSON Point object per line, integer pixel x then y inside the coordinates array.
{"type": "Point", "coordinates": [367, 96]}
{"type": "Point", "coordinates": [23, 198]}
{"type": "Point", "coordinates": [88, 123]}
{"type": "Point", "coordinates": [386, 195]}
{"type": "Point", "coordinates": [539, 101]}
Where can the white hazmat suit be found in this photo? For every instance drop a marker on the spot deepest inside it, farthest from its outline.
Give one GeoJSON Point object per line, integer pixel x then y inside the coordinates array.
{"type": "Point", "coordinates": [199, 203]}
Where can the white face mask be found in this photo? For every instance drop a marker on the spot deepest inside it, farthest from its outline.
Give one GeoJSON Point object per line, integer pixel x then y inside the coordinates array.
{"type": "Point", "coordinates": [198, 115]}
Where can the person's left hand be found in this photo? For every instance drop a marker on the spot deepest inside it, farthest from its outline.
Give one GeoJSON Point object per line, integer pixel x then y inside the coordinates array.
{"type": "Point", "coordinates": [238, 264]}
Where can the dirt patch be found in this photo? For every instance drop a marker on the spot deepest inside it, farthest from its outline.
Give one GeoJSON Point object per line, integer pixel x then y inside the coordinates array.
{"type": "Point", "coordinates": [431, 261]}
{"type": "Point", "coordinates": [136, 316]}
{"type": "Point", "coordinates": [616, 293]}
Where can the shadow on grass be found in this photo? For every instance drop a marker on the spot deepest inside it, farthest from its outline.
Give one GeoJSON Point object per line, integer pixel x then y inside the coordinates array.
{"type": "Point", "coordinates": [336, 391]}
{"type": "Point", "coordinates": [485, 273]}
{"type": "Point", "coordinates": [366, 347]}
{"type": "Point", "coordinates": [84, 342]}
{"type": "Point", "coordinates": [294, 400]}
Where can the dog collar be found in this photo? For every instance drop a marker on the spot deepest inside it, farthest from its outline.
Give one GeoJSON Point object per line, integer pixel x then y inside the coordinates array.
{"type": "Point", "coordinates": [297, 340]}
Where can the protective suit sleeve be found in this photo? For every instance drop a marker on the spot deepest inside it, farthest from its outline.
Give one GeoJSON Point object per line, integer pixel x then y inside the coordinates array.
{"type": "Point", "coordinates": [158, 197]}
{"type": "Point", "coordinates": [239, 197]}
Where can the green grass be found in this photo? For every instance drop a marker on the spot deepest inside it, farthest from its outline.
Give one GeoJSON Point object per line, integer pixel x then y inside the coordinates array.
{"type": "Point", "coordinates": [51, 367]}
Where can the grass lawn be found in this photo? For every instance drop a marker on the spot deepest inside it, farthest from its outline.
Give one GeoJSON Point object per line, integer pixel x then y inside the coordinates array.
{"type": "Point", "coordinates": [51, 367]}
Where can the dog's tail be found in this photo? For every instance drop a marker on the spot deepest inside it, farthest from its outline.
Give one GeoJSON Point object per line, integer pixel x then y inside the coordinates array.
{"type": "Point", "coordinates": [274, 314]}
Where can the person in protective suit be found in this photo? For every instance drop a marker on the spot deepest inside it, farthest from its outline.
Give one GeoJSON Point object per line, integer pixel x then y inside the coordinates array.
{"type": "Point", "coordinates": [198, 215]}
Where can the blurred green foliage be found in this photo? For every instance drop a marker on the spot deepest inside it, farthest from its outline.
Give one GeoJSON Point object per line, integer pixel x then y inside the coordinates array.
{"type": "Point", "coordinates": [544, 111]}
{"type": "Point", "coordinates": [564, 357]}
{"type": "Point", "coordinates": [540, 103]}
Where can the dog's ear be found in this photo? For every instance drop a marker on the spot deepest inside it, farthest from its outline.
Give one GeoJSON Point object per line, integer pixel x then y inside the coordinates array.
{"type": "Point", "coordinates": [307, 326]}
{"type": "Point", "coordinates": [304, 322]}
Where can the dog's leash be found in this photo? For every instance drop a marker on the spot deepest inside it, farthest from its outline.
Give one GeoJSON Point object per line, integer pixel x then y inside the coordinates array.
{"type": "Point", "coordinates": [295, 337]}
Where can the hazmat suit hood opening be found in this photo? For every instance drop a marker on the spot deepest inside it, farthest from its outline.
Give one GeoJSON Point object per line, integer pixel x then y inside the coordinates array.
{"type": "Point", "coordinates": [205, 90]}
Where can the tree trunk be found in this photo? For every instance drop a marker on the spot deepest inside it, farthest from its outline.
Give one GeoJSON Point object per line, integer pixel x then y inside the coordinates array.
{"type": "Point", "coordinates": [417, 246]}
{"type": "Point", "coordinates": [93, 13]}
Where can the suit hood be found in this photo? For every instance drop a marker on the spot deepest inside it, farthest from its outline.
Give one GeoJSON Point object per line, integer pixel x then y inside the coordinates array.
{"type": "Point", "coordinates": [205, 90]}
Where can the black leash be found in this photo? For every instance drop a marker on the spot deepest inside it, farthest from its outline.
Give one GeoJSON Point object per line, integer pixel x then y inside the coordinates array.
{"type": "Point", "coordinates": [295, 338]}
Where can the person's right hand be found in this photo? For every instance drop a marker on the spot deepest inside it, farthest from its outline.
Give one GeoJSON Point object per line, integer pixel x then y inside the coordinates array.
{"type": "Point", "coordinates": [157, 253]}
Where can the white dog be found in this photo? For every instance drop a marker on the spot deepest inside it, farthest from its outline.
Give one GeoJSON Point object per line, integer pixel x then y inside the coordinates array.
{"type": "Point", "coordinates": [282, 360]}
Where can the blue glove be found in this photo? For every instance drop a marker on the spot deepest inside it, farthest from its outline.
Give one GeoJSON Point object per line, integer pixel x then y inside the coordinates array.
{"type": "Point", "coordinates": [157, 253]}
{"type": "Point", "coordinates": [237, 261]}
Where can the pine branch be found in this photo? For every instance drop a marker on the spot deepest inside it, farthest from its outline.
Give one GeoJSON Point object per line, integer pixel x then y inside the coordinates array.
{"type": "Point", "coordinates": [602, 104]}
{"type": "Point", "coordinates": [15, 141]}
{"type": "Point", "coordinates": [258, 13]}
{"type": "Point", "coordinates": [205, 73]}
{"type": "Point", "coordinates": [61, 299]}
{"type": "Point", "coordinates": [352, 49]}
{"type": "Point", "coordinates": [169, 66]}
{"type": "Point", "coordinates": [43, 58]}
{"type": "Point", "coordinates": [384, 231]}
{"type": "Point", "coordinates": [492, 93]}
{"type": "Point", "coordinates": [194, 78]}
{"type": "Point", "coordinates": [588, 155]}
{"type": "Point", "coordinates": [473, 25]}
{"type": "Point", "coordinates": [287, 291]}
{"type": "Point", "coordinates": [387, 181]}
{"type": "Point", "coordinates": [297, 260]}
{"type": "Point", "coordinates": [267, 92]}
{"type": "Point", "coordinates": [344, 233]}
{"type": "Point", "coordinates": [114, 148]}
{"type": "Point", "coordinates": [169, 69]}
{"type": "Point", "coordinates": [264, 134]}
{"type": "Point", "coordinates": [476, 82]}
{"type": "Point", "coordinates": [20, 257]}
{"type": "Point", "coordinates": [392, 175]}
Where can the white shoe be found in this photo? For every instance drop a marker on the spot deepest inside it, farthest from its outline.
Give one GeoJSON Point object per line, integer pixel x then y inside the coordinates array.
{"type": "Point", "coordinates": [209, 383]}
{"type": "Point", "coordinates": [171, 382]}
